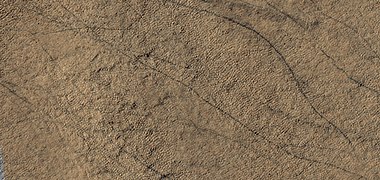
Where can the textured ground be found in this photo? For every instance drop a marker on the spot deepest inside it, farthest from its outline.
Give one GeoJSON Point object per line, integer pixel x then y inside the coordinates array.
{"type": "Point", "coordinates": [196, 89]}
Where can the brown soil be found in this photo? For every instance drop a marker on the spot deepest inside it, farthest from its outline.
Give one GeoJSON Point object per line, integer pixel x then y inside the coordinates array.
{"type": "Point", "coordinates": [190, 89]}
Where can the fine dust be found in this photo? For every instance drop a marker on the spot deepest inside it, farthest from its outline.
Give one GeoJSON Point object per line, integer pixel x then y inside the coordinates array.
{"type": "Point", "coordinates": [190, 89]}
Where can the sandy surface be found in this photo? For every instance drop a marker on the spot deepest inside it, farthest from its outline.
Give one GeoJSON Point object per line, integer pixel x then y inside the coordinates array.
{"type": "Point", "coordinates": [196, 89]}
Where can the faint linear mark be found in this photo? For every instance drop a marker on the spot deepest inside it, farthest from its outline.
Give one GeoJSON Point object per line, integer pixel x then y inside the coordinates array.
{"type": "Point", "coordinates": [273, 8]}
{"type": "Point", "coordinates": [141, 161]}
{"type": "Point", "coordinates": [215, 133]}
{"type": "Point", "coordinates": [14, 92]}
{"type": "Point", "coordinates": [298, 84]}
{"type": "Point", "coordinates": [150, 54]}
{"type": "Point", "coordinates": [217, 107]}
{"type": "Point", "coordinates": [281, 57]}
{"type": "Point", "coordinates": [242, 124]}
{"type": "Point", "coordinates": [368, 44]}
{"type": "Point", "coordinates": [287, 115]}
{"type": "Point", "coordinates": [135, 157]}
{"type": "Point", "coordinates": [356, 81]}
{"type": "Point", "coordinates": [138, 59]}
{"type": "Point", "coordinates": [286, 15]}
{"type": "Point", "coordinates": [149, 166]}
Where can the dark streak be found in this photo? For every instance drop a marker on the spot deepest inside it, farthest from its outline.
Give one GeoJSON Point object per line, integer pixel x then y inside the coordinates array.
{"type": "Point", "coordinates": [356, 81]}
{"type": "Point", "coordinates": [210, 131]}
{"type": "Point", "coordinates": [325, 163]}
{"type": "Point", "coordinates": [281, 57]}
{"type": "Point", "coordinates": [357, 32]}
{"type": "Point", "coordinates": [349, 27]}
{"type": "Point", "coordinates": [12, 91]}
{"type": "Point", "coordinates": [287, 15]}
{"type": "Point", "coordinates": [298, 84]}
{"type": "Point", "coordinates": [217, 107]}
{"type": "Point", "coordinates": [95, 57]}
{"type": "Point", "coordinates": [135, 157]}
{"type": "Point", "coordinates": [166, 176]}
{"type": "Point", "coordinates": [47, 53]}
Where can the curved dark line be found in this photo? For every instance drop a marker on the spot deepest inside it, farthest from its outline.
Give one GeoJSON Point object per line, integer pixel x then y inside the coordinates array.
{"type": "Point", "coordinates": [354, 80]}
{"type": "Point", "coordinates": [294, 77]}
{"type": "Point", "coordinates": [369, 45]}
{"type": "Point", "coordinates": [281, 57]}
{"type": "Point", "coordinates": [215, 106]}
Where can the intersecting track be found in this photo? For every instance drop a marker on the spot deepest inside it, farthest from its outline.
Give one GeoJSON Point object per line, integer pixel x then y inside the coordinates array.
{"type": "Point", "coordinates": [353, 79]}
{"type": "Point", "coordinates": [368, 44]}
{"type": "Point", "coordinates": [293, 75]}
{"type": "Point", "coordinates": [281, 57]}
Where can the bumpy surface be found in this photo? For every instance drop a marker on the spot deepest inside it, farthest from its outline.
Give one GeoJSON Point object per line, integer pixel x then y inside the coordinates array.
{"type": "Point", "coordinates": [196, 89]}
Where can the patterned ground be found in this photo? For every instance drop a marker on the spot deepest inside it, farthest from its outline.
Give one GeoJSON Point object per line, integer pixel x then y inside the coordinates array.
{"type": "Point", "coordinates": [190, 89]}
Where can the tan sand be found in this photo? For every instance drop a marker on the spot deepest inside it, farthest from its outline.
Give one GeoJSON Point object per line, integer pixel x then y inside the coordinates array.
{"type": "Point", "coordinates": [190, 89]}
